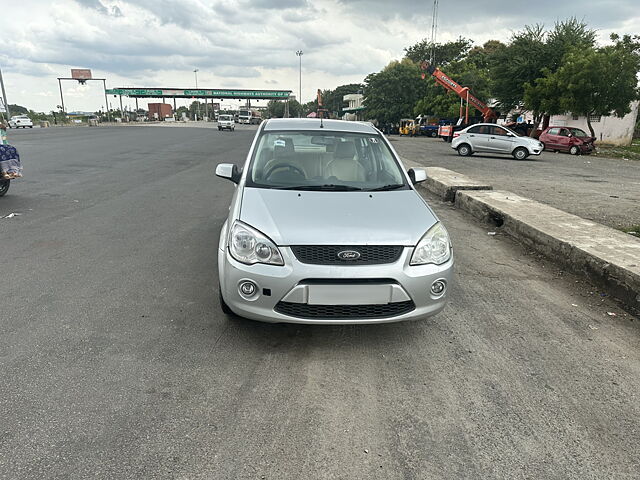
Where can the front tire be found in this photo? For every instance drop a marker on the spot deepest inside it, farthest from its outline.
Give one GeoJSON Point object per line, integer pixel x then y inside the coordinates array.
{"type": "Point", "coordinates": [464, 150]}
{"type": "Point", "coordinates": [574, 150]}
{"type": "Point", "coordinates": [434, 134]}
{"type": "Point", "coordinates": [4, 186]}
{"type": "Point", "coordinates": [520, 153]}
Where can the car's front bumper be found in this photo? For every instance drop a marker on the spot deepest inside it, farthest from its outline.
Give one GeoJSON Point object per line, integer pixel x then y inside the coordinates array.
{"type": "Point", "coordinates": [291, 281]}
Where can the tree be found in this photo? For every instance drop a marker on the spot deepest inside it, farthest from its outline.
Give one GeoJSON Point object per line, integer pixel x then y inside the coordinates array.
{"type": "Point", "coordinates": [332, 99]}
{"type": "Point", "coordinates": [442, 103]}
{"type": "Point", "coordinates": [392, 93]}
{"type": "Point", "coordinates": [592, 81]}
{"type": "Point", "coordinates": [534, 53]}
{"type": "Point", "coordinates": [18, 110]}
{"type": "Point", "coordinates": [443, 53]}
{"type": "Point", "coordinates": [277, 109]}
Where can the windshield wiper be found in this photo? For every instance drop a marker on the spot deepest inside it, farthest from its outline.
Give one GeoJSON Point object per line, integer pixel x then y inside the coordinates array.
{"type": "Point", "coordinates": [391, 186]}
{"type": "Point", "coordinates": [327, 187]}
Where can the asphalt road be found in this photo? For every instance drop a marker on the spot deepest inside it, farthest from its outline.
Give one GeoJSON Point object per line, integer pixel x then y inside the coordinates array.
{"type": "Point", "coordinates": [116, 361]}
{"type": "Point", "coordinates": [604, 190]}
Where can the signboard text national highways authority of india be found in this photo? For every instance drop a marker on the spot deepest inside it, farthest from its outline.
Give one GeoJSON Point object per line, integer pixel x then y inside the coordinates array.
{"type": "Point", "coordinates": [213, 93]}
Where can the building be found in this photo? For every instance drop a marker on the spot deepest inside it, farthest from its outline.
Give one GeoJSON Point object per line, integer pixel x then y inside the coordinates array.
{"type": "Point", "coordinates": [355, 108]}
{"type": "Point", "coordinates": [608, 129]}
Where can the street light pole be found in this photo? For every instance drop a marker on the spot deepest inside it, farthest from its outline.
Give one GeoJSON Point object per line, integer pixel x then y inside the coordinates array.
{"type": "Point", "coordinates": [4, 96]}
{"type": "Point", "coordinates": [299, 54]}
{"type": "Point", "coordinates": [195, 72]}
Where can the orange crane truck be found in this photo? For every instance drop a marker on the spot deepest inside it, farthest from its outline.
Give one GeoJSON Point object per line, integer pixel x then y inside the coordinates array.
{"type": "Point", "coordinates": [446, 131]}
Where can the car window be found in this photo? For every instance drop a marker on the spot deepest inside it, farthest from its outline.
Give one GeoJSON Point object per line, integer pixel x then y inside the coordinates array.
{"type": "Point", "coordinates": [576, 132]}
{"type": "Point", "coordinates": [312, 159]}
{"type": "Point", "coordinates": [553, 131]}
{"type": "Point", "coordinates": [475, 129]}
{"type": "Point", "coordinates": [564, 132]}
{"type": "Point", "coordinates": [499, 131]}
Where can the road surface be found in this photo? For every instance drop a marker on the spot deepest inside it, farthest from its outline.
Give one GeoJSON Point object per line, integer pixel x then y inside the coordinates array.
{"type": "Point", "coordinates": [117, 362]}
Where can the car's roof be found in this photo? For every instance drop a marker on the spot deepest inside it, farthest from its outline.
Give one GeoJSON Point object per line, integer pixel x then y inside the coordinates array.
{"type": "Point", "coordinates": [314, 124]}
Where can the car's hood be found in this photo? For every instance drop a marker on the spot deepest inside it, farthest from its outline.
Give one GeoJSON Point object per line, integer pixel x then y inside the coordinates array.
{"type": "Point", "coordinates": [292, 217]}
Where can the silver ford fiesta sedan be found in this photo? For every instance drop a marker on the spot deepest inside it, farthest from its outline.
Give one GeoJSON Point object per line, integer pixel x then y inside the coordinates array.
{"type": "Point", "coordinates": [325, 227]}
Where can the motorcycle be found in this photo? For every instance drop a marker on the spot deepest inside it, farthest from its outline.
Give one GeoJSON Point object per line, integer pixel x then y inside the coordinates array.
{"type": "Point", "coordinates": [10, 167]}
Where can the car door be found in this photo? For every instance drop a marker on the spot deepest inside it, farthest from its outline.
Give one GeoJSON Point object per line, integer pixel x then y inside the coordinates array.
{"type": "Point", "coordinates": [551, 138]}
{"type": "Point", "coordinates": [564, 139]}
{"type": "Point", "coordinates": [478, 138]}
{"type": "Point", "coordinates": [500, 140]}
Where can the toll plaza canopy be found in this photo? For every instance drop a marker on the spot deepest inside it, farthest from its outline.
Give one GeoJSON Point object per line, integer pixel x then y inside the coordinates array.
{"type": "Point", "coordinates": [200, 93]}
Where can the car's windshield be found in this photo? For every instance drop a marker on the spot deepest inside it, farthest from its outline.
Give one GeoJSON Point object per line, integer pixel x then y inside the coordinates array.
{"type": "Point", "coordinates": [317, 160]}
{"type": "Point", "coordinates": [224, 117]}
{"type": "Point", "coordinates": [576, 132]}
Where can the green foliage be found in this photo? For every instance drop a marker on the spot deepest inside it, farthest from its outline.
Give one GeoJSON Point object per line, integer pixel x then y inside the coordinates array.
{"type": "Point", "coordinates": [18, 110]}
{"type": "Point", "coordinates": [277, 109]}
{"type": "Point", "coordinates": [471, 71]}
{"type": "Point", "coordinates": [444, 53]}
{"type": "Point", "coordinates": [392, 93]}
{"type": "Point", "coordinates": [532, 54]}
{"type": "Point", "coordinates": [332, 99]}
{"type": "Point", "coordinates": [591, 81]}
{"type": "Point", "coordinates": [440, 102]}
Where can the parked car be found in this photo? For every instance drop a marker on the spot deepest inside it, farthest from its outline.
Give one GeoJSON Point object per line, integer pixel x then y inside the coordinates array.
{"type": "Point", "coordinates": [19, 121]}
{"type": "Point", "coordinates": [567, 139]}
{"type": "Point", "coordinates": [325, 227]}
{"type": "Point", "coordinates": [225, 122]}
{"type": "Point", "coordinates": [491, 138]}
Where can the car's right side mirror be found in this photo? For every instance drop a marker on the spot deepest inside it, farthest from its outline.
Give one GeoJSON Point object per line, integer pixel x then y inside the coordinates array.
{"type": "Point", "coordinates": [417, 175]}
{"type": "Point", "coordinates": [228, 171]}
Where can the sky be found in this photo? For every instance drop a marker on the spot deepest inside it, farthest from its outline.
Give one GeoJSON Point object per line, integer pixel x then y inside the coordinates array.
{"type": "Point", "coordinates": [247, 43]}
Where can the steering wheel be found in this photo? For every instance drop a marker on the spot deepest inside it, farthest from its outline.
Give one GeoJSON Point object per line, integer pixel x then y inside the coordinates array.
{"type": "Point", "coordinates": [280, 165]}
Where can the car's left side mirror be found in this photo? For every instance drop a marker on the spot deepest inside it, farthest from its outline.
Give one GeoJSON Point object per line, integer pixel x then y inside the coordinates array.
{"type": "Point", "coordinates": [417, 175]}
{"type": "Point", "coordinates": [228, 171]}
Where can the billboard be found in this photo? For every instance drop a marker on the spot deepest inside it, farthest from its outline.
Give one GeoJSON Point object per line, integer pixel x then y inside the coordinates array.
{"type": "Point", "coordinates": [81, 73]}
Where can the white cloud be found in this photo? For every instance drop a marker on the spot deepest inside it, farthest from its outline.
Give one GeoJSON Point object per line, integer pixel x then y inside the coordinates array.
{"type": "Point", "coordinates": [246, 43]}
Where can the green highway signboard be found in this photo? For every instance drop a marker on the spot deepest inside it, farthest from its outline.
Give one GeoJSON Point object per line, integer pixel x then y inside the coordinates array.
{"type": "Point", "coordinates": [134, 91]}
{"type": "Point", "coordinates": [200, 93]}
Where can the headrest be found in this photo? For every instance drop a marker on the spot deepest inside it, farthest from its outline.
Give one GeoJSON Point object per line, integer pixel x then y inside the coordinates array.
{"type": "Point", "coordinates": [283, 147]}
{"type": "Point", "coordinates": [345, 150]}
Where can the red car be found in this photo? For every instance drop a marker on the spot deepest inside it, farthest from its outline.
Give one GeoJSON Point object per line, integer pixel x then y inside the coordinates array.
{"type": "Point", "coordinates": [567, 139]}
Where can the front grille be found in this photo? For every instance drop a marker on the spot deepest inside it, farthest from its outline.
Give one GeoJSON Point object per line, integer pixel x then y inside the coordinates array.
{"type": "Point", "coordinates": [318, 312]}
{"type": "Point", "coordinates": [328, 254]}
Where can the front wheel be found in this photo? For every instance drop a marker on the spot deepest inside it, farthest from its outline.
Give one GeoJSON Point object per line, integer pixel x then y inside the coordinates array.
{"type": "Point", "coordinates": [464, 150]}
{"type": "Point", "coordinates": [434, 134]}
{"type": "Point", "coordinates": [574, 150]}
{"type": "Point", "coordinates": [4, 186]}
{"type": "Point", "coordinates": [520, 153]}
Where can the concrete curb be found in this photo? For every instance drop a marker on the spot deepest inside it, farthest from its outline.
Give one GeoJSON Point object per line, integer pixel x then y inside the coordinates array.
{"type": "Point", "coordinates": [608, 257]}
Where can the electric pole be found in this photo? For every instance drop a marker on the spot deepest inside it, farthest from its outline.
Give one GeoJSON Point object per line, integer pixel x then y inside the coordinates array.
{"type": "Point", "coordinates": [299, 54]}
{"type": "Point", "coordinates": [4, 97]}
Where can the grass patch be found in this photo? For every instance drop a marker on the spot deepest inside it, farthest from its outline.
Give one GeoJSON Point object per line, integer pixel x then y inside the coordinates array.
{"type": "Point", "coordinates": [630, 152]}
{"type": "Point", "coordinates": [632, 230]}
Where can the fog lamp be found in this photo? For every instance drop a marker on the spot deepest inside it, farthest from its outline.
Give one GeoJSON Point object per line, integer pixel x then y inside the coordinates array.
{"type": "Point", "coordinates": [247, 288]}
{"type": "Point", "coordinates": [437, 287]}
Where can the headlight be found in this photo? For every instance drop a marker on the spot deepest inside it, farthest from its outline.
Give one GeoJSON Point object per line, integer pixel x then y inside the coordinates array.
{"type": "Point", "coordinates": [433, 247]}
{"type": "Point", "coordinates": [248, 245]}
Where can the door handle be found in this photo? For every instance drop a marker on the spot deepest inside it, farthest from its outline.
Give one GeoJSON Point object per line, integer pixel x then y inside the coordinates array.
{"type": "Point", "coordinates": [472, 135]}
{"type": "Point", "coordinates": [492, 137]}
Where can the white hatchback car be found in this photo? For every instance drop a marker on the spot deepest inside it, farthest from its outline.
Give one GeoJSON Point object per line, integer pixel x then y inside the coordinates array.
{"type": "Point", "coordinates": [326, 227]}
{"type": "Point", "coordinates": [20, 121]}
{"type": "Point", "coordinates": [491, 138]}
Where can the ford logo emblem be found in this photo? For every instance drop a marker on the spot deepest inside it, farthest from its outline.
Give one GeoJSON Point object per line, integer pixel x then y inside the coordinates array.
{"type": "Point", "coordinates": [348, 255]}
